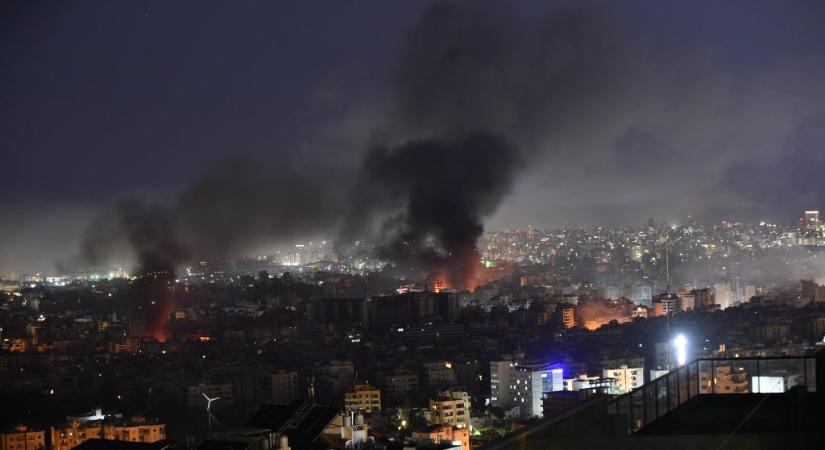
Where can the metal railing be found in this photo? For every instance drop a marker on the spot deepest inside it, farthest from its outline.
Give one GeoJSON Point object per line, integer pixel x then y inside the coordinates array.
{"type": "Point", "coordinates": [651, 401]}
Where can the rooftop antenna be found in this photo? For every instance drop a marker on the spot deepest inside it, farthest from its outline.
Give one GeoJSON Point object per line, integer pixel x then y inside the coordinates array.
{"type": "Point", "coordinates": [668, 300]}
{"type": "Point", "coordinates": [311, 389]}
{"type": "Point", "coordinates": [209, 414]}
{"type": "Point", "coordinates": [667, 263]}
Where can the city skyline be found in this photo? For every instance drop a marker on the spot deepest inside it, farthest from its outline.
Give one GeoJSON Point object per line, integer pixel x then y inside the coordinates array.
{"type": "Point", "coordinates": [412, 225]}
{"type": "Point", "coordinates": [303, 251]}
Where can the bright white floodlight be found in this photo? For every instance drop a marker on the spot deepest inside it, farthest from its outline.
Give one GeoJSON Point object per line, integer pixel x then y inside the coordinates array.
{"type": "Point", "coordinates": [680, 345]}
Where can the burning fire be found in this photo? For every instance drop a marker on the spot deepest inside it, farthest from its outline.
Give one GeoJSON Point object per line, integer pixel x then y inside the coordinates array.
{"type": "Point", "coordinates": [459, 271]}
{"type": "Point", "coordinates": [158, 302]}
{"type": "Point", "coordinates": [439, 285]}
{"type": "Point", "coordinates": [592, 313]}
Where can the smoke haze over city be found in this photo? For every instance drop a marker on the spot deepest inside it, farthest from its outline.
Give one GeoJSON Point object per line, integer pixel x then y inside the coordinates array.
{"type": "Point", "coordinates": [616, 114]}
{"type": "Point", "coordinates": [412, 224]}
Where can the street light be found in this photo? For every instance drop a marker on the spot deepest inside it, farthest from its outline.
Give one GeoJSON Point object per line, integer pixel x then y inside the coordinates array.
{"type": "Point", "coordinates": [680, 345]}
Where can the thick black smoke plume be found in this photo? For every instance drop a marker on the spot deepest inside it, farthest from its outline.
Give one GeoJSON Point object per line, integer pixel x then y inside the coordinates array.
{"type": "Point", "coordinates": [449, 186]}
{"type": "Point", "coordinates": [475, 88]}
{"type": "Point", "coordinates": [470, 66]}
{"type": "Point", "coordinates": [233, 207]}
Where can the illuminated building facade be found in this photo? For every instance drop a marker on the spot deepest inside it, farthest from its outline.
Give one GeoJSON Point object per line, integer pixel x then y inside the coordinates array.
{"type": "Point", "coordinates": [516, 384]}
{"type": "Point", "coordinates": [627, 378]}
{"type": "Point", "coordinates": [443, 433]}
{"type": "Point", "coordinates": [723, 294]}
{"type": "Point", "coordinates": [501, 395]}
{"type": "Point", "coordinates": [21, 438]}
{"type": "Point", "coordinates": [451, 408]}
{"type": "Point", "coordinates": [727, 381]}
{"type": "Point", "coordinates": [137, 429]}
{"type": "Point", "coordinates": [642, 294]}
{"type": "Point", "coordinates": [584, 382]}
{"type": "Point", "coordinates": [568, 316]}
{"type": "Point", "coordinates": [812, 218]}
{"type": "Point", "coordinates": [666, 305]}
{"type": "Point", "coordinates": [363, 397]}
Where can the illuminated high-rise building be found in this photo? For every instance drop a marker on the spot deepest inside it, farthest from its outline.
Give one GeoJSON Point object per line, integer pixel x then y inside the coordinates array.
{"type": "Point", "coordinates": [516, 384]}
{"type": "Point", "coordinates": [643, 294]}
{"type": "Point", "coordinates": [500, 381]}
{"type": "Point", "coordinates": [812, 219]}
{"type": "Point", "coordinates": [532, 382]}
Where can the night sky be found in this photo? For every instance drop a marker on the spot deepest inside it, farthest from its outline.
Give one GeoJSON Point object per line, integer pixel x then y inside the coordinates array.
{"type": "Point", "coordinates": [710, 108]}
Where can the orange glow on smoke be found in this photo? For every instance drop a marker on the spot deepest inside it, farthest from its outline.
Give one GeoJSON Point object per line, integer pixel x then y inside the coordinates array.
{"type": "Point", "coordinates": [461, 270]}
{"type": "Point", "coordinates": [596, 324]}
{"type": "Point", "coordinates": [158, 311]}
{"type": "Point", "coordinates": [593, 313]}
{"type": "Point", "coordinates": [160, 335]}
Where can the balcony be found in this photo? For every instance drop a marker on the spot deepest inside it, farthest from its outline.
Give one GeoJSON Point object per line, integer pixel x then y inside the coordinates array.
{"type": "Point", "coordinates": [710, 376]}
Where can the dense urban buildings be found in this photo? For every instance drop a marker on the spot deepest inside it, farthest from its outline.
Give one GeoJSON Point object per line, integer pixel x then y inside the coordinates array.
{"type": "Point", "coordinates": [560, 313]}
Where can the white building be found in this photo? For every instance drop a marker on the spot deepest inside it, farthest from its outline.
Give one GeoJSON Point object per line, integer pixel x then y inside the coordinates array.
{"type": "Point", "coordinates": [642, 294]}
{"type": "Point", "coordinates": [515, 384]}
{"type": "Point", "coordinates": [723, 295]}
{"type": "Point", "coordinates": [582, 382]}
{"type": "Point", "coordinates": [627, 378]}
{"type": "Point", "coordinates": [501, 395]}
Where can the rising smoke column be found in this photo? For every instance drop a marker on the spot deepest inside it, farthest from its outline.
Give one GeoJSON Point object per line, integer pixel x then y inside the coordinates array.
{"type": "Point", "coordinates": [475, 89]}
{"type": "Point", "coordinates": [233, 206]}
{"type": "Point", "coordinates": [151, 229]}
{"type": "Point", "coordinates": [449, 185]}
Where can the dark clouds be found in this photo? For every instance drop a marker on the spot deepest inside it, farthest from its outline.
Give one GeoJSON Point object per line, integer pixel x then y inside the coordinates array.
{"type": "Point", "coordinates": [794, 181]}
{"type": "Point", "coordinates": [474, 84]}
{"type": "Point", "coordinates": [620, 113]}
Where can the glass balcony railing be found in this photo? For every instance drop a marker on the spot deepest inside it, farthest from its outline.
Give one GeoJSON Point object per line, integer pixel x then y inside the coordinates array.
{"type": "Point", "coordinates": [647, 403]}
